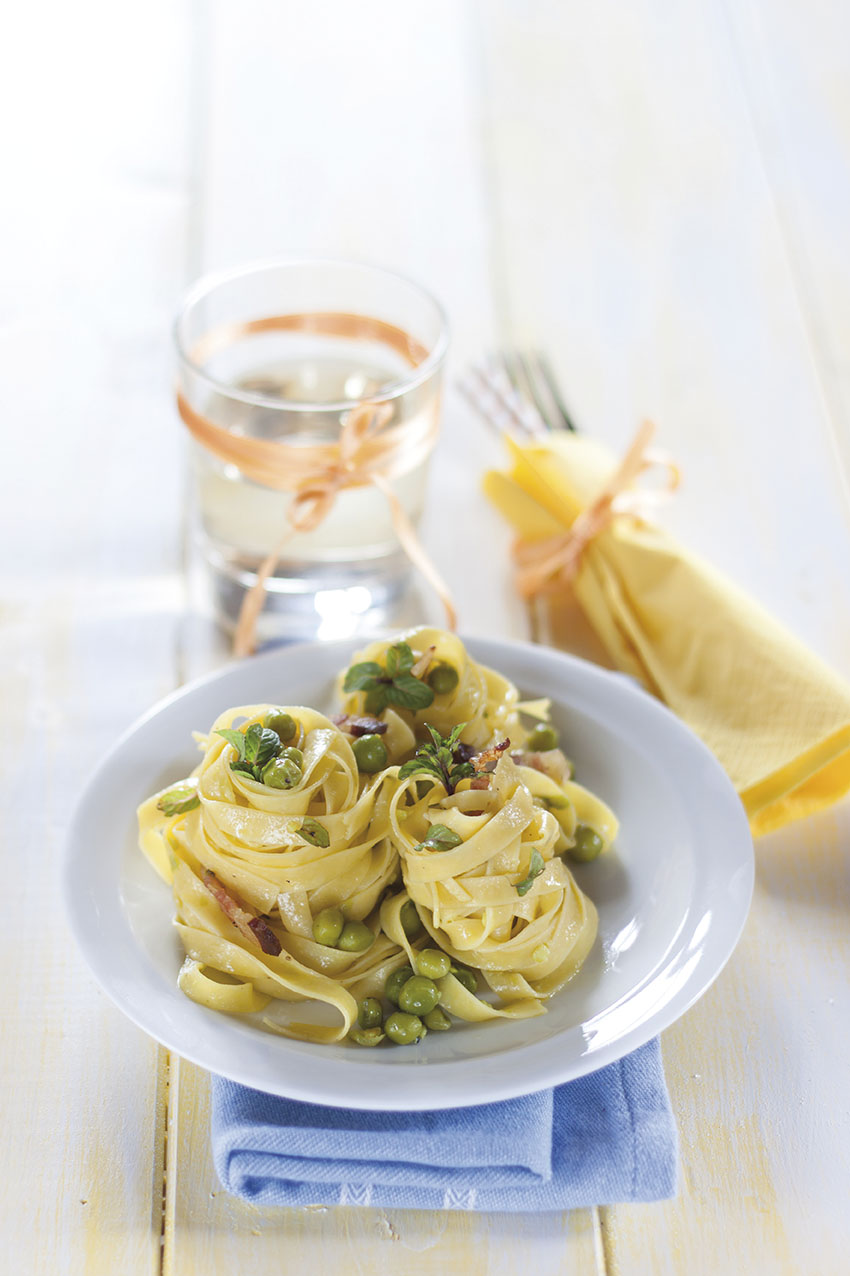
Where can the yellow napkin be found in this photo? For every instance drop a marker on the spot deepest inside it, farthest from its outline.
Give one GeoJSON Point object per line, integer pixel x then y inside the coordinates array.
{"type": "Point", "coordinates": [776, 717]}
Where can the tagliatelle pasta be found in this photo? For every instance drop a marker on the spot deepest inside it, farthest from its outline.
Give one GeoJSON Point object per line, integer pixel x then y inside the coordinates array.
{"type": "Point", "coordinates": [314, 860]}
{"type": "Point", "coordinates": [526, 945]}
{"type": "Point", "coordinates": [484, 700]}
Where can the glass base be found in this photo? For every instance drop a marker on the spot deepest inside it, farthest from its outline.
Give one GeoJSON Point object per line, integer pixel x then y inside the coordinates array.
{"type": "Point", "coordinates": [324, 601]}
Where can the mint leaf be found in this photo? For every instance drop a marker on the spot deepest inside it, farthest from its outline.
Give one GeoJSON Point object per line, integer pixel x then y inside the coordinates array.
{"type": "Point", "coordinates": [400, 659]}
{"type": "Point", "coordinates": [245, 768]}
{"type": "Point", "coordinates": [409, 693]}
{"type": "Point", "coordinates": [440, 838]}
{"type": "Point", "coordinates": [261, 745]}
{"type": "Point", "coordinates": [314, 833]}
{"type": "Point", "coordinates": [535, 868]}
{"type": "Point", "coordinates": [237, 739]}
{"type": "Point", "coordinates": [437, 758]}
{"type": "Point", "coordinates": [377, 697]}
{"type": "Point", "coordinates": [418, 766]}
{"type": "Point", "coordinates": [179, 800]}
{"type": "Point", "coordinates": [363, 676]}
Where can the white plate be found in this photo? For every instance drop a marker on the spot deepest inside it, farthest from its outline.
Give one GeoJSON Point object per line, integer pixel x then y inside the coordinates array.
{"type": "Point", "coordinates": [672, 896]}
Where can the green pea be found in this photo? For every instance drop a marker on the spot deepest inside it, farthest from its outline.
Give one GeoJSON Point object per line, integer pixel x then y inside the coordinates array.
{"type": "Point", "coordinates": [404, 1030]}
{"type": "Point", "coordinates": [282, 773]}
{"type": "Point", "coordinates": [556, 803]}
{"type": "Point", "coordinates": [467, 978]}
{"type": "Point", "coordinates": [541, 738]}
{"type": "Point", "coordinates": [410, 921]}
{"type": "Point", "coordinates": [328, 926]}
{"type": "Point", "coordinates": [370, 1014]}
{"type": "Point", "coordinates": [432, 963]}
{"type": "Point", "coordinates": [437, 1020]}
{"type": "Point", "coordinates": [588, 844]}
{"type": "Point", "coordinates": [294, 755]}
{"type": "Point", "coordinates": [356, 937]}
{"type": "Point", "coordinates": [283, 723]}
{"type": "Point", "coordinates": [442, 679]}
{"type": "Point", "coordinates": [367, 1036]}
{"type": "Point", "coordinates": [370, 753]}
{"type": "Point", "coordinates": [419, 995]}
{"type": "Point", "coordinates": [395, 983]}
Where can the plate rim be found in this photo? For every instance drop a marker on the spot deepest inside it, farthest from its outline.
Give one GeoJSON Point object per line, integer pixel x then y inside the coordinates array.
{"type": "Point", "coordinates": [439, 1092]}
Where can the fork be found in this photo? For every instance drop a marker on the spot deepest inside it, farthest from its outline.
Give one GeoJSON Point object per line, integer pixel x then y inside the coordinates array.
{"type": "Point", "coordinates": [514, 390]}
{"type": "Point", "coordinates": [516, 393]}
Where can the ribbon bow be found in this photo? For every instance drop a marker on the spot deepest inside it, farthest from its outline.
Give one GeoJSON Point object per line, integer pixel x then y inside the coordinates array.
{"type": "Point", "coordinates": [366, 452]}
{"type": "Point", "coordinates": [544, 565]}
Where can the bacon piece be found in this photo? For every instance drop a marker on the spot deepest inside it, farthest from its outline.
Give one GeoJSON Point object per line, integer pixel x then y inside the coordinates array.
{"type": "Point", "coordinates": [265, 936]}
{"type": "Point", "coordinates": [486, 760]}
{"type": "Point", "coordinates": [480, 782]}
{"type": "Point", "coordinates": [359, 726]}
{"type": "Point", "coordinates": [254, 928]}
{"type": "Point", "coordinates": [423, 664]}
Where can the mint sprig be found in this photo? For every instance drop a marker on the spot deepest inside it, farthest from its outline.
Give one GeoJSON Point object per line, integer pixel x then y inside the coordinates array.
{"type": "Point", "coordinates": [254, 749]}
{"type": "Point", "coordinates": [440, 759]}
{"type": "Point", "coordinates": [536, 866]}
{"type": "Point", "coordinates": [392, 683]}
{"type": "Point", "coordinates": [440, 838]}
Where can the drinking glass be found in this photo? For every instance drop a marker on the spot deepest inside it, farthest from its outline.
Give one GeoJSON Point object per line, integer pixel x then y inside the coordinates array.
{"type": "Point", "coordinates": [286, 352]}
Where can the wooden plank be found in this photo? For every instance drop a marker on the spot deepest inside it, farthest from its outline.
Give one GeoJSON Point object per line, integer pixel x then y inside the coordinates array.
{"type": "Point", "coordinates": [78, 1142]}
{"type": "Point", "coordinates": [336, 131]}
{"type": "Point", "coordinates": [93, 224]}
{"type": "Point", "coordinates": [650, 259]}
{"type": "Point", "coordinates": [756, 1072]}
{"type": "Point", "coordinates": [793, 69]}
{"type": "Point", "coordinates": [774, 1129]}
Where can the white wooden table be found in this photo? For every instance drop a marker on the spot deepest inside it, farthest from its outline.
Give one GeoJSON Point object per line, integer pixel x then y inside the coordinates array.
{"type": "Point", "coordinates": [659, 194]}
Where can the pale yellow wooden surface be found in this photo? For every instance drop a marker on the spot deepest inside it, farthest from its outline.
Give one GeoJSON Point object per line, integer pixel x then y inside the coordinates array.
{"type": "Point", "coordinates": [92, 227]}
{"type": "Point", "coordinates": [659, 195]}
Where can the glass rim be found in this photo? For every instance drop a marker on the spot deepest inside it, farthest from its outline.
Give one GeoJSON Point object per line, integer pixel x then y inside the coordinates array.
{"type": "Point", "coordinates": [208, 283]}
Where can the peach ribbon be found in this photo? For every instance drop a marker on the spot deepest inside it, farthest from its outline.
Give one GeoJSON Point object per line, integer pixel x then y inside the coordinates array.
{"type": "Point", "coordinates": [366, 452]}
{"type": "Point", "coordinates": [546, 564]}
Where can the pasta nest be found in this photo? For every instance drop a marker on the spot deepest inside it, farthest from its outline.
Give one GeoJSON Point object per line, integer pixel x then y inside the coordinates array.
{"type": "Point", "coordinates": [247, 834]}
{"type": "Point", "coordinates": [527, 942]}
{"type": "Point", "coordinates": [483, 699]}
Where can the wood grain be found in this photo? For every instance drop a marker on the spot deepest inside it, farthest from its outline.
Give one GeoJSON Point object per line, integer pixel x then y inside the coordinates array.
{"type": "Point", "coordinates": [93, 225]}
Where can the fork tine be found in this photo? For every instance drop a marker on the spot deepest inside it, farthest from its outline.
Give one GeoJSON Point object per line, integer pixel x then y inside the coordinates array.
{"type": "Point", "coordinates": [542, 401]}
{"type": "Point", "coordinates": [509, 383]}
{"type": "Point", "coordinates": [470, 387]}
{"type": "Point", "coordinates": [488, 388]}
{"type": "Point", "coordinates": [546, 378]}
{"type": "Point", "coordinates": [516, 368]}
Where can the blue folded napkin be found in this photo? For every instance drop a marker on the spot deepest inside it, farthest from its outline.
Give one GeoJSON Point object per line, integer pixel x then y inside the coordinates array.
{"type": "Point", "coordinates": [606, 1137]}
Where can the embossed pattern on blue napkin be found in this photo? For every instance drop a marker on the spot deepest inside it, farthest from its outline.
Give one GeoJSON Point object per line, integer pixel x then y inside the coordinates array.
{"type": "Point", "coordinates": [603, 1138]}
